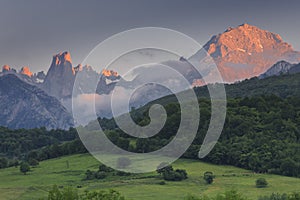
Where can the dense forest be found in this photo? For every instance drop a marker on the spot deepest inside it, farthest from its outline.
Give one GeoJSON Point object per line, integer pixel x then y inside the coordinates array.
{"type": "Point", "coordinates": [14, 143]}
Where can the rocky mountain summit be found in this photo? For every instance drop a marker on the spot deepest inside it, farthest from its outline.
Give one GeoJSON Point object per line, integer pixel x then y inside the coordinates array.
{"type": "Point", "coordinates": [25, 74]}
{"type": "Point", "coordinates": [60, 76]}
{"type": "Point", "coordinates": [247, 51]}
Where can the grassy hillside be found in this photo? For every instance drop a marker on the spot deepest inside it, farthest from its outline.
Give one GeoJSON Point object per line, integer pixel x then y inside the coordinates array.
{"type": "Point", "coordinates": [35, 184]}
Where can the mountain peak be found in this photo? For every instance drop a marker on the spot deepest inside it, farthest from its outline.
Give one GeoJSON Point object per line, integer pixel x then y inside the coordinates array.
{"type": "Point", "coordinates": [26, 71]}
{"type": "Point", "coordinates": [281, 67]}
{"type": "Point", "coordinates": [109, 73]}
{"type": "Point", "coordinates": [245, 39]}
{"type": "Point", "coordinates": [80, 68]}
{"type": "Point", "coordinates": [6, 68]}
{"type": "Point", "coordinates": [245, 25]}
{"type": "Point", "coordinates": [246, 51]}
{"type": "Point", "coordinates": [60, 76]}
{"type": "Point", "coordinates": [62, 58]}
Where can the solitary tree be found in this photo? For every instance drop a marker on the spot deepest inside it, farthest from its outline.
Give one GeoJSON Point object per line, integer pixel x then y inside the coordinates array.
{"type": "Point", "coordinates": [24, 167]}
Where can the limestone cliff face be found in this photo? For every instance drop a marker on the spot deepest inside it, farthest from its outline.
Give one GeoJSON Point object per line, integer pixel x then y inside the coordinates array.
{"type": "Point", "coordinates": [60, 77]}
{"type": "Point", "coordinates": [24, 105]}
{"type": "Point", "coordinates": [247, 51]}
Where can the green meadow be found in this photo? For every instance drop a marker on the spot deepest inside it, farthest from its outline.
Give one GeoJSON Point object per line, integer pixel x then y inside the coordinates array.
{"type": "Point", "coordinates": [70, 171]}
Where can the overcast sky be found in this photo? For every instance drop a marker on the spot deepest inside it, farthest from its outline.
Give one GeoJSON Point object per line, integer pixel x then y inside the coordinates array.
{"type": "Point", "coordinates": [31, 31]}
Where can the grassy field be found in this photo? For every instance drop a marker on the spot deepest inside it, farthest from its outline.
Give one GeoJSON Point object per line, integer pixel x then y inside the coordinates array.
{"type": "Point", "coordinates": [34, 185]}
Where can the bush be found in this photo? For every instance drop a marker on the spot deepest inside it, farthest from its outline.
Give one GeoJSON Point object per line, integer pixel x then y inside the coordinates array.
{"type": "Point", "coordinates": [24, 167]}
{"type": "Point", "coordinates": [89, 175]}
{"type": "Point", "coordinates": [162, 183]}
{"type": "Point", "coordinates": [177, 175]}
{"type": "Point", "coordinates": [261, 183]}
{"type": "Point", "coordinates": [121, 173]}
{"type": "Point", "coordinates": [100, 175]}
{"type": "Point", "coordinates": [66, 193]}
{"type": "Point", "coordinates": [208, 177]}
{"type": "Point", "coordinates": [102, 195]}
{"type": "Point", "coordinates": [169, 174]}
{"type": "Point", "coordinates": [229, 195]}
{"type": "Point", "coordinates": [164, 166]}
{"type": "Point", "coordinates": [104, 168]}
{"type": "Point", "coordinates": [284, 196]}
{"type": "Point", "coordinates": [69, 193]}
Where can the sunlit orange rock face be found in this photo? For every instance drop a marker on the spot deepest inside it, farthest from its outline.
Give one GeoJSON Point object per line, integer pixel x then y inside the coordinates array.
{"type": "Point", "coordinates": [247, 51]}
{"type": "Point", "coordinates": [26, 71]}
{"type": "Point", "coordinates": [108, 73]}
{"type": "Point", "coordinates": [5, 68]}
{"type": "Point", "coordinates": [62, 58]}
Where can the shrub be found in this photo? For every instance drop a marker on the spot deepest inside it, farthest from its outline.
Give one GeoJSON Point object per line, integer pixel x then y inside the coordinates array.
{"type": "Point", "coordinates": [284, 196]}
{"type": "Point", "coordinates": [102, 195]}
{"type": "Point", "coordinates": [100, 175]}
{"type": "Point", "coordinates": [230, 195]}
{"type": "Point", "coordinates": [121, 173]}
{"type": "Point", "coordinates": [69, 193]}
{"type": "Point", "coordinates": [24, 167]}
{"type": "Point", "coordinates": [164, 166]}
{"type": "Point", "coordinates": [208, 177]}
{"type": "Point", "coordinates": [66, 193]}
{"type": "Point", "coordinates": [104, 168]}
{"type": "Point", "coordinates": [177, 175]}
{"type": "Point", "coordinates": [162, 183]}
{"type": "Point", "coordinates": [89, 175]}
{"type": "Point", "coordinates": [261, 183]}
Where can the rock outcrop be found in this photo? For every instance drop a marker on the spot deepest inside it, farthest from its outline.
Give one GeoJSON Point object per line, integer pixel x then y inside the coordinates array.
{"type": "Point", "coordinates": [60, 76]}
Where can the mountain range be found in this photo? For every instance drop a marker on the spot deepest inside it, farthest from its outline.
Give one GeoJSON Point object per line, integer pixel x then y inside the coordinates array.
{"type": "Point", "coordinates": [31, 100]}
